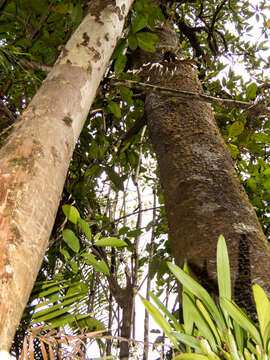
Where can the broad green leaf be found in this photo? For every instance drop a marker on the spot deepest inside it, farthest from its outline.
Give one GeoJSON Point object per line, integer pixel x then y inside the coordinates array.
{"type": "Point", "coordinates": [99, 266]}
{"type": "Point", "coordinates": [160, 320]}
{"type": "Point", "coordinates": [139, 22]}
{"type": "Point", "coordinates": [223, 269]}
{"type": "Point", "coordinates": [71, 213]}
{"type": "Point", "coordinates": [236, 128]}
{"type": "Point", "coordinates": [71, 240]}
{"type": "Point", "coordinates": [114, 108]}
{"type": "Point", "coordinates": [132, 42]}
{"type": "Point", "coordinates": [126, 95]}
{"type": "Point", "coordinates": [65, 253]}
{"type": "Point", "coordinates": [146, 41]}
{"type": "Point", "coordinates": [234, 151]}
{"type": "Point", "coordinates": [119, 65]}
{"type": "Point", "coordinates": [267, 172]}
{"type": "Point", "coordinates": [134, 233]}
{"type": "Point", "coordinates": [74, 266]}
{"type": "Point", "coordinates": [76, 13]}
{"type": "Point", "coordinates": [115, 178]}
{"type": "Point", "coordinates": [266, 184]}
{"type": "Point", "coordinates": [83, 225]}
{"type": "Point", "coordinates": [263, 308]}
{"type": "Point", "coordinates": [241, 318]}
{"type": "Point", "coordinates": [163, 308]}
{"type": "Point", "coordinates": [252, 91]}
{"type": "Point", "coordinates": [197, 290]}
{"type": "Point", "coordinates": [188, 340]}
{"type": "Point", "coordinates": [251, 183]}
{"type": "Point", "coordinates": [110, 241]}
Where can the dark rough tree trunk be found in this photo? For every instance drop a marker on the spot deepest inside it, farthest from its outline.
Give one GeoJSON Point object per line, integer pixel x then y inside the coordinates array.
{"type": "Point", "coordinates": [203, 196]}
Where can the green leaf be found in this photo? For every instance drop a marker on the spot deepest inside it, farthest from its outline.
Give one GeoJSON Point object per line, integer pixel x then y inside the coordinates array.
{"type": "Point", "coordinates": [83, 225]}
{"type": "Point", "coordinates": [201, 323]}
{"type": "Point", "coordinates": [76, 14]}
{"type": "Point", "coordinates": [65, 253]}
{"type": "Point", "coordinates": [263, 309]}
{"type": "Point", "coordinates": [241, 318]}
{"type": "Point", "coordinates": [234, 151]}
{"type": "Point", "coordinates": [252, 91]}
{"type": "Point", "coordinates": [115, 178]}
{"type": "Point", "coordinates": [71, 213]}
{"type": "Point", "coordinates": [99, 266]}
{"type": "Point", "coordinates": [139, 22]}
{"type": "Point", "coordinates": [188, 340]}
{"type": "Point", "coordinates": [191, 357]}
{"type": "Point", "coordinates": [187, 314]}
{"type": "Point", "coordinates": [71, 240]}
{"type": "Point", "coordinates": [146, 41]}
{"type": "Point", "coordinates": [134, 233]}
{"type": "Point", "coordinates": [110, 241]}
{"type": "Point", "coordinates": [160, 320]}
{"type": "Point", "coordinates": [119, 66]}
{"type": "Point", "coordinates": [236, 128]}
{"type": "Point", "coordinates": [209, 321]}
{"type": "Point", "coordinates": [223, 269]}
{"type": "Point", "coordinates": [197, 290]}
{"type": "Point", "coordinates": [74, 266]}
{"type": "Point", "coordinates": [115, 109]}
{"type": "Point", "coordinates": [266, 184]}
{"type": "Point", "coordinates": [126, 95]}
{"type": "Point", "coordinates": [252, 183]}
{"type": "Point", "coordinates": [163, 308]}
{"type": "Point", "coordinates": [132, 42]}
{"type": "Point", "coordinates": [119, 49]}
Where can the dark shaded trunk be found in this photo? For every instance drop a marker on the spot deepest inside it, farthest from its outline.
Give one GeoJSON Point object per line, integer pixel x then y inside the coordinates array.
{"type": "Point", "coordinates": [203, 196]}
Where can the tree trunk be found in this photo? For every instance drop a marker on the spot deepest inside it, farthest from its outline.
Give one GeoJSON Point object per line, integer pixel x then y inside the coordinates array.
{"type": "Point", "coordinates": [203, 196]}
{"type": "Point", "coordinates": [35, 159]}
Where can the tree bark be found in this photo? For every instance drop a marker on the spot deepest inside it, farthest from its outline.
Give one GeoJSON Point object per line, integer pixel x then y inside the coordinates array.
{"type": "Point", "coordinates": [203, 195]}
{"type": "Point", "coordinates": [35, 159]}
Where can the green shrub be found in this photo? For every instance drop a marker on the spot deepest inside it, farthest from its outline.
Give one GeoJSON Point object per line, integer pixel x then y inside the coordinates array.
{"type": "Point", "coordinates": [214, 330]}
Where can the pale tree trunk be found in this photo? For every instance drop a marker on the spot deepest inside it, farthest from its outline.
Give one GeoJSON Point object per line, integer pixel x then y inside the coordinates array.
{"type": "Point", "coordinates": [203, 196]}
{"type": "Point", "coordinates": [35, 159]}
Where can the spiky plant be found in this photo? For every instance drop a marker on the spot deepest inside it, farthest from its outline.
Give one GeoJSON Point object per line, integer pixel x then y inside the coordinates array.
{"type": "Point", "coordinates": [214, 330]}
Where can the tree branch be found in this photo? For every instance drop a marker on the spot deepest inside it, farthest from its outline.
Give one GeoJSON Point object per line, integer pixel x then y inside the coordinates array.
{"type": "Point", "coordinates": [190, 95]}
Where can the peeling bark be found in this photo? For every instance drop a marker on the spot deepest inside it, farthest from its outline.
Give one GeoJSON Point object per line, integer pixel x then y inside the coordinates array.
{"type": "Point", "coordinates": [203, 196]}
{"type": "Point", "coordinates": [35, 158]}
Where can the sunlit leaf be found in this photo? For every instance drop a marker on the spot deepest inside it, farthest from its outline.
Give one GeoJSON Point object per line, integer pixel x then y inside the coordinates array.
{"type": "Point", "coordinates": [223, 269]}
{"type": "Point", "coordinates": [252, 91]}
{"type": "Point", "coordinates": [110, 241]}
{"type": "Point", "coordinates": [241, 318]}
{"type": "Point", "coordinates": [83, 225]}
{"type": "Point", "coordinates": [146, 41]}
{"type": "Point", "coordinates": [236, 128]}
{"type": "Point", "coordinates": [71, 213]}
{"type": "Point", "coordinates": [71, 240]}
{"type": "Point", "coordinates": [99, 266]}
